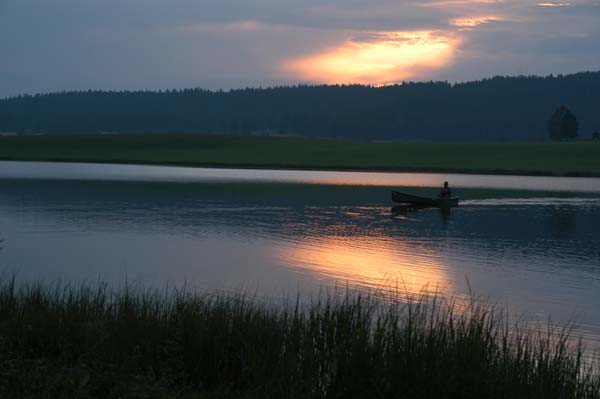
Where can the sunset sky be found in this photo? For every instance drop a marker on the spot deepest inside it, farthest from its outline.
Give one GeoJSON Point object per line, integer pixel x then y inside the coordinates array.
{"type": "Point", "coordinates": [48, 45]}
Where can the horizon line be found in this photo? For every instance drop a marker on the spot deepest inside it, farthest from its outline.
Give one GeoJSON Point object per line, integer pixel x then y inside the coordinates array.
{"type": "Point", "coordinates": [297, 85]}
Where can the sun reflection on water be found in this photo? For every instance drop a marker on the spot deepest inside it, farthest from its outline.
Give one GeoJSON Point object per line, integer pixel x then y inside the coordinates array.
{"type": "Point", "coordinates": [375, 263]}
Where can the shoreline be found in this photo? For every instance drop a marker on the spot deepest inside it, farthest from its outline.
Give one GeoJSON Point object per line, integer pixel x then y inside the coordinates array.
{"type": "Point", "coordinates": [323, 168]}
{"type": "Point", "coordinates": [554, 159]}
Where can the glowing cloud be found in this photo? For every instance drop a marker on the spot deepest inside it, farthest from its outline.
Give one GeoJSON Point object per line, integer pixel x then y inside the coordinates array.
{"type": "Point", "coordinates": [554, 4]}
{"type": "Point", "coordinates": [377, 58]}
{"type": "Point", "coordinates": [471, 22]}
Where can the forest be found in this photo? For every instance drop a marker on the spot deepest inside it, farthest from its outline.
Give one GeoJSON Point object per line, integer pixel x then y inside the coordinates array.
{"type": "Point", "coordinates": [496, 109]}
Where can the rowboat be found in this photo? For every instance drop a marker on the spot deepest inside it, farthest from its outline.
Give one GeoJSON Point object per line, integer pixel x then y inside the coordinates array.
{"type": "Point", "coordinates": [424, 201]}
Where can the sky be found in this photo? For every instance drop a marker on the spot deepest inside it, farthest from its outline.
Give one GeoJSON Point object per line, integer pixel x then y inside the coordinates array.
{"type": "Point", "coordinates": [54, 45]}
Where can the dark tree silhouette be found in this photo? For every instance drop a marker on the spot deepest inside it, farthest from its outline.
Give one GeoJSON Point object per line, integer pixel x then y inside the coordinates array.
{"type": "Point", "coordinates": [563, 124]}
{"type": "Point", "coordinates": [496, 109]}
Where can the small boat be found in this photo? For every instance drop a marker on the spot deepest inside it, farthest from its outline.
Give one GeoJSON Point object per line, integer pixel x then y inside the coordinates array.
{"type": "Point", "coordinates": [424, 201]}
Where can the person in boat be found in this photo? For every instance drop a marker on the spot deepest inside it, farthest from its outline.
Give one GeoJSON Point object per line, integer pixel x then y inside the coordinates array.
{"type": "Point", "coordinates": [445, 192]}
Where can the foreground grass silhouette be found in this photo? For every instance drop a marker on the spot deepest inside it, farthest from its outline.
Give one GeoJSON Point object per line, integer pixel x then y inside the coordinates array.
{"type": "Point", "coordinates": [96, 342]}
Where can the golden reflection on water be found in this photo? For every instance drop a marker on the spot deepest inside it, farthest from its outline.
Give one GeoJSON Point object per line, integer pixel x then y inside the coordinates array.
{"type": "Point", "coordinates": [376, 263]}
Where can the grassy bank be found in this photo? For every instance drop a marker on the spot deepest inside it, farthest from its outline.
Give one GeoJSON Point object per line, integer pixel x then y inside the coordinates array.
{"type": "Point", "coordinates": [94, 342]}
{"type": "Point", "coordinates": [544, 158]}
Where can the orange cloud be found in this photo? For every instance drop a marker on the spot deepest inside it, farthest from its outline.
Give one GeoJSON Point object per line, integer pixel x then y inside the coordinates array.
{"type": "Point", "coordinates": [471, 22]}
{"type": "Point", "coordinates": [378, 58]}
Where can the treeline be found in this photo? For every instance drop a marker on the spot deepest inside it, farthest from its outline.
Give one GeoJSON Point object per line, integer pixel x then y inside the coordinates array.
{"type": "Point", "coordinates": [500, 108]}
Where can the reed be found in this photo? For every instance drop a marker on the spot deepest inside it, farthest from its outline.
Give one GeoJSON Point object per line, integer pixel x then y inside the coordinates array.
{"type": "Point", "coordinates": [61, 341]}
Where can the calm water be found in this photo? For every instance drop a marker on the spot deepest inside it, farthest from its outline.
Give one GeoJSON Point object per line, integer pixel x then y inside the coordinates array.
{"type": "Point", "coordinates": [530, 243]}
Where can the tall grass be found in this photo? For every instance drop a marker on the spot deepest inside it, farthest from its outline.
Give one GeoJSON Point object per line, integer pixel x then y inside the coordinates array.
{"type": "Point", "coordinates": [83, 342]}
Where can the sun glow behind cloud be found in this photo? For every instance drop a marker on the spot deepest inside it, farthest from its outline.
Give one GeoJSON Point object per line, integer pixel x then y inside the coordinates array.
{"type": "Point", "coordinates": [377, 58]}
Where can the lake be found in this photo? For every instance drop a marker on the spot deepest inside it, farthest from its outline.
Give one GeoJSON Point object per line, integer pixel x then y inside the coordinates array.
{"type": "Point", "coordinates": [528, 243]}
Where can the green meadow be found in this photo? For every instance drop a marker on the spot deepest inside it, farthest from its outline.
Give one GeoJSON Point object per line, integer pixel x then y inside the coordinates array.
{"type": "Point", "coordinates": [577, 158]}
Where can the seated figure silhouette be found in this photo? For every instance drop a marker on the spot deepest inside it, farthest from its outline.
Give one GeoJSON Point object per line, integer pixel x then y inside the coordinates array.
{"type": "Point", "coordinates": [445, 192]}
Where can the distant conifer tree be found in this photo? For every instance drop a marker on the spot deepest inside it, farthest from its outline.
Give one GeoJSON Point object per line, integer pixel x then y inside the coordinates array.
{"type": "Point", "coordinates": [563, 124]}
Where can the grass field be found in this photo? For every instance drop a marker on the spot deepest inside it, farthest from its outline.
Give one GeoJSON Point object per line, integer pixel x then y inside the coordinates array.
{"type": "Point", "coordinates": [94, 342]}
{"type": "Point", "coordinates": [544, 158]}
